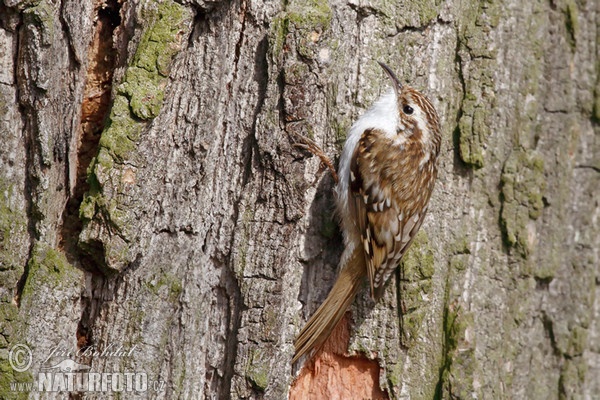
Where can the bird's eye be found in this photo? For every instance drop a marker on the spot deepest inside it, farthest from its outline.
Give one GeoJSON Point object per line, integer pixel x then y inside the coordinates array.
{"type": "Point", "coordinates": [408, 109]}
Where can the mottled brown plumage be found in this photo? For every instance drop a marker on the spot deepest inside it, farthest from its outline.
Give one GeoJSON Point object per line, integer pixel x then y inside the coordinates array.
{"type": "Point", "coordinates": [387, 173]}
{"type": "Point", "coordinates": [390, 210]}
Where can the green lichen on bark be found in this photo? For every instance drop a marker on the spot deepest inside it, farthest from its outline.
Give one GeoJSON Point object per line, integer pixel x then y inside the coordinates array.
{"type": "Point", "coordinates": [13, 235]}
{"type": "Point", "coordinates": [459, 364]}
{"type": "Point", "coordinates": [138, 100]}
{"type": "Point", "coordinates": [577, 341]}
{"type": "Point", "coordinates": [473, 132]}
{"type": "Point", "coordinates": [340, 128]}
{"type": "Point", "coordinates": [100, 212]}
{"type": "Point", "coordinates": [41, 14]}
{"type": "Point", "coordinates": [571, 22]}
{"type": "Point", "coordinates": [24, 4]}
{"type": "Point", "coordinates": [257, 370]}
{"type": "Point", "coordinates": [167, 286]}
{"type": "Point", "coordinates": [47, 269]}
{"type": "Point", "coordinates": [307, 19]}
{"type": "Point", "coordinates": [417, 269]}
{"type": "Point", "coordinates": [407, 14]}
{"type": "Point", "coordinates": [145, 79]}
{"type": "Point", "coordinates": [9, 378]}
{"type": "Point", "coordinates": [277, 34]}
{"type": "Point", "coordinates": [416, 288]}
{"type": "Point", "coordinates": [13, 228]}
{"type": "Point", "coordinates": [140, 94]}
{"type": "Point", "coordinates": [458, 255]}
{"type": "Point", "coordinates": [572, 378]}
{"type": "Point", "coordinates": [309, 14]}
{"type": "Point", "coordinates": [12, 326]}
{"type": "Point", "coordinates": [477, 68]}
{"type": "Point", "coordinates": [523, 186]}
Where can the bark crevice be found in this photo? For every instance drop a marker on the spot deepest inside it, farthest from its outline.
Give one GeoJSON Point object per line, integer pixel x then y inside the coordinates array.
{"type": "Point", "coordinates": [95, 108]}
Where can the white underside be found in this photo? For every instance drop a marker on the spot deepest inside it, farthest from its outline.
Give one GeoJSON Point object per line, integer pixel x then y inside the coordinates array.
{"type": "Point", "coordinates": [383, 116]}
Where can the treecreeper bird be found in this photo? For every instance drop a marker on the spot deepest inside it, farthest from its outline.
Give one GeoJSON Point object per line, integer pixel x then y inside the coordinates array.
{"type": "Point", "coordinates": [386, 175]}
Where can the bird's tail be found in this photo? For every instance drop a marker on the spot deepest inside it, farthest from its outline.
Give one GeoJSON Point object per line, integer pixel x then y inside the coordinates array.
{"type": "Point", "coordinates": [325, 319]}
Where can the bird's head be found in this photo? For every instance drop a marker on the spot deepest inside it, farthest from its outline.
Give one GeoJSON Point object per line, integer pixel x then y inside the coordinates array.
{"type": "Point", "coordinates": [417, 119]}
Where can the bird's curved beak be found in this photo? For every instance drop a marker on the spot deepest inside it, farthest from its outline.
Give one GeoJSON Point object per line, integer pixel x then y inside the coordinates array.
{"type": "Point", "coordinates": [395, 82]}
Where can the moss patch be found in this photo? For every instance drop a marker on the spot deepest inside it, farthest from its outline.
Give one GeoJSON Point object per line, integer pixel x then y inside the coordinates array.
{"type": "Point", "coordinates": [41, 14]}
{"type": "Point", "coordinates": [477, 68]}
{"type": "Point", "coordinates": [138, 100]}
{"type": "Point", "coordinates": [11, 333]}
{"type": "Point", "coordinates": [257, 371]}
{"type": "Point", "coordinates": [309, 14]}
{"type": "Point", "coordinates": [473, 133]}
{"type": "Point", "coordinates": [417, 268]}
{"type": "Point", "coordinates": [10, 378]}
{"type": "Point", "coordinates": [307, 19]}
{"type": "Point", "coordinates": [572, 378]}
{"type": "Point", "coordinates": [571, 22]}
{"type": "Point", "coordinates": [140, 94]}
{"type": "Point", "coordinates": [13, 235]}
{"type": "Point", "coordinates": [168, 286]}
{"type": "Point", "coordinates": [145, 79]}
{"type": "Point", "coordinates": [48, 269]}
{"type": "Point", "coordinates": [456, 374]}
{"type": "Point", "coordinates": [523, 187]}
{"type": "Point", "coordinates": [410, 13]}
{"type": "Point", "coordinates": [13, 229]}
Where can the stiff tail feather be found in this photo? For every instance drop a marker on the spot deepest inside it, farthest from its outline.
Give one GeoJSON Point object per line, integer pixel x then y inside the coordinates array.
{"type": "Point", "coordinates": [325, 319]}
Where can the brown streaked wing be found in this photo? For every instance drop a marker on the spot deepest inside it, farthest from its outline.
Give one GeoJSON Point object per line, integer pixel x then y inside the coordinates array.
{"type": "Point", "coordinates": [357, 207]}
{"type": "Point", "coordinates": [395, 255]}
{"type": "Point", "coordinates": [373, 210]}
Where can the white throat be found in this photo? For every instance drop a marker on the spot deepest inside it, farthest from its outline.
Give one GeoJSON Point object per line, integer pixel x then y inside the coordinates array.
{"type": "Point", "coordinates": [383, 116]}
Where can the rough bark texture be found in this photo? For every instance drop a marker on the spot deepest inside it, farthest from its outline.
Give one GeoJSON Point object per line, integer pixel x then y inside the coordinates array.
{"type": "Point", "coordinates": [151, 195]}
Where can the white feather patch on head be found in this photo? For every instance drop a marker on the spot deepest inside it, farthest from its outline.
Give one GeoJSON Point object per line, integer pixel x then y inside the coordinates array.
{"type": "Point", "coordinates": [383, 115]}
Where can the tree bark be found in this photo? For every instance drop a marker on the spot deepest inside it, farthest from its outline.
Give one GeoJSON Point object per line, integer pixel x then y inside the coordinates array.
{"type": "Point", "coordinates": [152, 198]}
